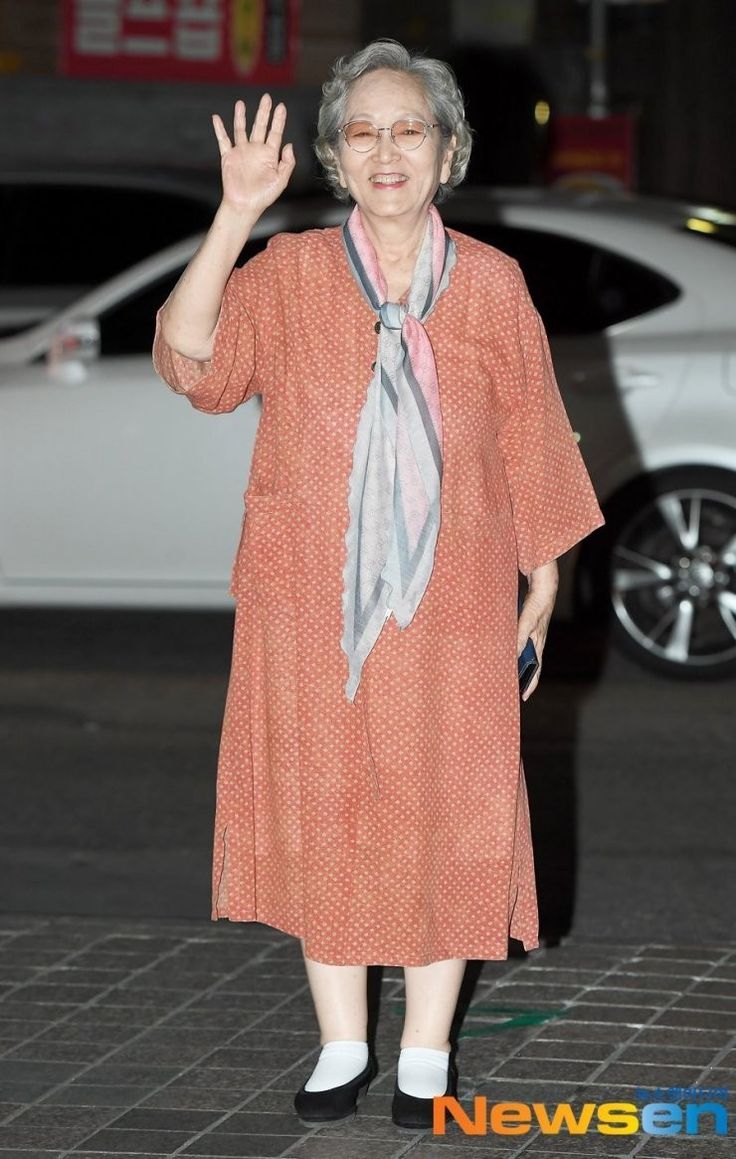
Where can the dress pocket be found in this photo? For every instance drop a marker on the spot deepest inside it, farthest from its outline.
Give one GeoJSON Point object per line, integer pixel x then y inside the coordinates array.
{"type": "Point", "coordinates": [264, 562]}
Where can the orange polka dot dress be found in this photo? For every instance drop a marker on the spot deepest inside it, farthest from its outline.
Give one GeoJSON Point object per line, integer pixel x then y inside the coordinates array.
{"type": "Point", "coordinates": [393, 829]}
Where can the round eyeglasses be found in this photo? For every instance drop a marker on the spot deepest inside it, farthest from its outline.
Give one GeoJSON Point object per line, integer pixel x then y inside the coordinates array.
{"type": "Point", "coordinates": [364, 136]}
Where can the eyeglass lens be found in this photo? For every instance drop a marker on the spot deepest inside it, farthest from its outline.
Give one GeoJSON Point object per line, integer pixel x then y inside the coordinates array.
{"type": "Point", "coordinates": [362, 135]}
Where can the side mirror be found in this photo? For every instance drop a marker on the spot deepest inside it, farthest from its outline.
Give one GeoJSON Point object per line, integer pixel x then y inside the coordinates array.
{"type": "Point", "coordinates": [75, 344]}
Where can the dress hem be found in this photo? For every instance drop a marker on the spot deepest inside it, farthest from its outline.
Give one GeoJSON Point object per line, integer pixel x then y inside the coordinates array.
{"type": "Point", "coordinates": [494, 954]}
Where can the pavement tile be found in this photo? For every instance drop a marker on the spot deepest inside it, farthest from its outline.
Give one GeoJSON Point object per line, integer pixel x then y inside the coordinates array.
{"type": "Point", "coordinates": [577, 1028]}
{"type": "Point", "coordinates": [159, 1054]}
{"type": "Point", "coordinates": [682, 1036]}
{"type": "Point", "coordinates": [9, 1109]}
{"type": "Point", "coordinates": [616, 995]}
{"type": "Point", "coordinates": [147, 1142]}
{"type": "Point", "coordinates": [586, 1151]}
{"type": "Point", "coordinates": [643, 1074]}
{"type": "Point", "coordinates": [112, 1073]}
{"type": "Point", "coordinates": [704, 1001]}
{"type": "Point", "coordinates": [534, 991]}
{"type": "Point", "coordinates": [16, 1007]}
{"type": "Point", "coordinates": [724, 972]}
{"type": "Point", "coordinates": [44, 1136]}
{"type": "Point", "coordinates": [594, 1011]}
{"type": "Point", "coordinates": [697, 1019]}
{"type": "Point", "coordinates": [434, 1150]}
{"type": "Point", "coordinates": [628, 977]}
{"type": "Point", "coordinates": [11, 974]}
{"type": "Point", "coordinates": [667, 1055]}
{"type": "Point", "coordinates": [65, 994]}
{"type": "Point", "coordinates": [227, 1019]}
{"type": "Point", "coordinates": [559, 974]}
{"type": "Point", "coordinates": [214, 1099]}
{"type": "Point", "coordinates": [26, 1092]}
{"type": "Point", "coordinates": [579, 1050]}
{"type": "Point", "coordinates": [322, 1147]}
{"type": "Point", "coordinates": [90, 1032]}
{"type": "Point", "coordinates": [680, 964]}
{"type": "Point", "coordinates": [548, 1070]}
{"type": "Point", "coordinates": [90, 1095]}
{"type": "Point", "coordinates": [32, 1070]}
{"type": "Point", "coordinates": [70, 1121]}
{"type": "Point", "coordinates": [43, 1050]}
{"type": "Point", "coordinates": [591, 1144]}
{"type": "Point", "coordinates": [18, 1029]}
{"type": "Point", "coordinates": [249, 1122]}
{"type": "Point", "coordinates": [227, 1078]}
{"type": "Point", "coordinates": [8, 1153]}
{"type": "Point", "coordinates": [722, 1077]}
{"type": "Point", "coordinates": [686, 1147]}
{"type": "Point", "coordinates": [245, 1058]}
{"type": "Point", "coordinates": [165, 1119]}
{"type": "Point", "coordinates": [244, 1145]}
{"type": "Point", "coordinates": [102, 1015]}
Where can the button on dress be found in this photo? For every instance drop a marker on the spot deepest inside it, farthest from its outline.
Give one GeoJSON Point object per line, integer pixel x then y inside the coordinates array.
{"type": "Point", "coordinates": [393, 829]}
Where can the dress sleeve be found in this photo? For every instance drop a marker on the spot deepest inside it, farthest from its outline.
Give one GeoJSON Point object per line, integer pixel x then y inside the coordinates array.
{"type": "Point", "coordinates": [245, 344]}
{"type": "Point", "coordinates": [553, 502]}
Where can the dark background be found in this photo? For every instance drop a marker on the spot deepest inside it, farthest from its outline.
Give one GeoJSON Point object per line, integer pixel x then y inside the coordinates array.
{"type": "Point", "coordinates": [669, 63]}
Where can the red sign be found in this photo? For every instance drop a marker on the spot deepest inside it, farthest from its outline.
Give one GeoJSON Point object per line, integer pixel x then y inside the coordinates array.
{"type": "Point", "coordinates": [591, 152]}
{"type": "Point", "coordinates": [219, 41]}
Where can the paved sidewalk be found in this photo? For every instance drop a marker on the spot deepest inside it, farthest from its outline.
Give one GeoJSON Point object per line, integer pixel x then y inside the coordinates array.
{"type": "Point", "coordinates": [160, 1038]}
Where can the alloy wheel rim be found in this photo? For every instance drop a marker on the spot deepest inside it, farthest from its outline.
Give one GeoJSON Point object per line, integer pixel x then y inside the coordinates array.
{"type": "Point", "coordinates": [673, 577]}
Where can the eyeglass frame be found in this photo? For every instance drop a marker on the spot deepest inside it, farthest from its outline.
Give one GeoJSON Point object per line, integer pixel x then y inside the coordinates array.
{"type": "Point", "coordinates": [389, 129]}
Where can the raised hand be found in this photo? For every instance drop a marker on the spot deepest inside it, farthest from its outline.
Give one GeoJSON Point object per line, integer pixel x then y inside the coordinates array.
{"type": "Point", "coordinates": [255, 170]}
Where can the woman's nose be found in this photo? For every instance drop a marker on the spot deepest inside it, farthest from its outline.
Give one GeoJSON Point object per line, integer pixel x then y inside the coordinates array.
{"type": "Point", "coordinates": [386, 146]}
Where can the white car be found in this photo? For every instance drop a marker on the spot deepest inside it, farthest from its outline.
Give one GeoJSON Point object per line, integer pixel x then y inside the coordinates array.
{"type": "Point", "coordinates": [115, 492]}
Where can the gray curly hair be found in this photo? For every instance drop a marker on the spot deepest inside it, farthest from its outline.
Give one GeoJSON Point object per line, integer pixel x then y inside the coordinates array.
{"type": "Point", "coordinates": [441, 90]}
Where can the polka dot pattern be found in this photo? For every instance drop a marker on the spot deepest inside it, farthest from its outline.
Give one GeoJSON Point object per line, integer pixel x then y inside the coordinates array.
{"type": "Point", "coordinates": [394, 829]}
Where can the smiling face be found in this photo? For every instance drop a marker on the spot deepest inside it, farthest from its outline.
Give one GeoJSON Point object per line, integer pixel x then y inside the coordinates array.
{"type": "Point", "coordinates": [387, 181]}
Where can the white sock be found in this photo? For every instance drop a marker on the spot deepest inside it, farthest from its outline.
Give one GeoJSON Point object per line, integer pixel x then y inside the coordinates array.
{"type": "Point", "coordinates": [338, 1063]}
{"type": "Point", "coordinates": [423, 1071]}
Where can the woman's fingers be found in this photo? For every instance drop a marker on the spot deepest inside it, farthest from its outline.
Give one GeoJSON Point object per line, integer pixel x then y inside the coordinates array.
{"type": "Point", "coordinates": [288, 159]}
{"type": "Point", "coordinates": [276, 131]}
{"type": "Point", "coordinates": [239, 133]}
{"type": "Point", "coordinates": [260, 123]}
{"type": "Point", "coordinates": [220, 132]}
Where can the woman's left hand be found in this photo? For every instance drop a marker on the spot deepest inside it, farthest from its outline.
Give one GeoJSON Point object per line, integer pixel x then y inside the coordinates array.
{"type": "Point", "coordinates": [536, 613]}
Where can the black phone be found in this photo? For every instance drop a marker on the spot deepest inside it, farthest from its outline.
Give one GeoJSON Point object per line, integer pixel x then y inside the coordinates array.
{"type": "Point", "coordinates": [528, 664]}
{"type": "Point", "coordinates": [528, 660]}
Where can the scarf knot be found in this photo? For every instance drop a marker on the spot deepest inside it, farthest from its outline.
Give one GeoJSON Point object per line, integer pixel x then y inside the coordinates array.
{"type": "Point", "coordinates": [395, 481]}
{"type": "Point", "coordinates": [392, 315]}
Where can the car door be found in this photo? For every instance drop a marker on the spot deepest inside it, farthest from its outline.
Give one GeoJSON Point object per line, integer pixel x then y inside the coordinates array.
{"type": "Point", "coordinates": [113, 489]}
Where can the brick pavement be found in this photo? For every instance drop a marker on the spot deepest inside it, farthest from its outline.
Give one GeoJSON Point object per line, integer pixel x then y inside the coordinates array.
{"type": "Point", "coordinates": [159, 1038]}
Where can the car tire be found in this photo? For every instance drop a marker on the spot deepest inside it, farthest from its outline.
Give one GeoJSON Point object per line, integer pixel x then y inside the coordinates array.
{"type": "Point", "coordinates": [663, 572]}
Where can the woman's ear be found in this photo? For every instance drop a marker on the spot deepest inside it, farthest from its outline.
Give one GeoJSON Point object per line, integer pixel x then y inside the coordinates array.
{"type": "Point", "coordinates": [338, 166]}
{"type": "Point", "coordinates": [447, 160]}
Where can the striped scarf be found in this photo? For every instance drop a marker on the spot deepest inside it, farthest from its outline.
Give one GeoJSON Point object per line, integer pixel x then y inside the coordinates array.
{"type": "Point", "coordinates": [394, 489]}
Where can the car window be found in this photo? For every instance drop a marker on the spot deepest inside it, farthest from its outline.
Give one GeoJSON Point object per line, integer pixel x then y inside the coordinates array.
{"type": "Point", "coordinates": [577, 287]}
{"type": "Point", "coordinates": [128, 327]}
{"type": "Point", "coordinates": [79, 235]}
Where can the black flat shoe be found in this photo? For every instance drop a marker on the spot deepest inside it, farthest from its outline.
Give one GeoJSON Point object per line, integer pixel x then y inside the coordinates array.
{"type": "Point", "coordinates": [417, 1114]}
{"type": "Point", "coordinates": [335, 1102]}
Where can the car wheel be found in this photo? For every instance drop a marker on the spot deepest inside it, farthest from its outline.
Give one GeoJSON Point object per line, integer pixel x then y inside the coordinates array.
{"type": "Point", "coordinates": [668, 575]}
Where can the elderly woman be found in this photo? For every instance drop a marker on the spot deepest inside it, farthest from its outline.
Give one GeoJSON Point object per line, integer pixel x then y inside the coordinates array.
{"type": "Point", "coordinates": [413, 456]}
